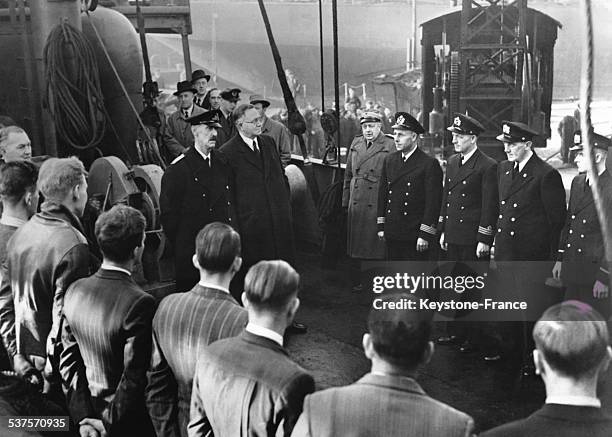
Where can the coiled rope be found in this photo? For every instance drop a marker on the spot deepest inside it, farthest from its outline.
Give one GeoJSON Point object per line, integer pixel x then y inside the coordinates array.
{"type": "Point", "coordinates": [73, 93]}
{"type": "Point", "coordinates": [586, 96]}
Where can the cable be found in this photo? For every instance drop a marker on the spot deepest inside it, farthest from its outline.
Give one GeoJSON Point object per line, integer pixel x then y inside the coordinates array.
{"type": "Point", "coordinates": [73, 93]}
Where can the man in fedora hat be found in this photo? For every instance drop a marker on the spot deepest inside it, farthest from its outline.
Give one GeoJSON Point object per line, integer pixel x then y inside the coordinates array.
{"type": "Point", "coordinates": [178, 137]}
{"type": "Point", "coordinates": [581, 262]}
{"type": "Point", "coordinates": [409, 195]}
{"type": "Point", "coordinates": [229, 99]}
{"type": "Point", "coordinates": [199, 80]}
{"type": "Point", "coordinates": [195, 190]}
{"type": "Point", "coordinates": [273, 128]}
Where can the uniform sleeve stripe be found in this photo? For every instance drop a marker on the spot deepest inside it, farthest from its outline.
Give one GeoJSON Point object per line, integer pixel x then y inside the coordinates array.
{"type": "Point", "coordinates": [561, 251]}
{"type": "Point", "coordinates": [485, 231]}
{"type": "Point", "coordinates": [380, 220]}
{"type": "Point", "coordinates": [429, 229]}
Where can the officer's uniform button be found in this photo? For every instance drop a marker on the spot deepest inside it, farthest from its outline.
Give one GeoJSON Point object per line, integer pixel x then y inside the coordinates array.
{"type": "Point", "coordinates": [581, 235]}
{"type": "Point", "coordinates": [571, 231]}
{"type": "Point", "coordinates": [512, 233]}
{"type": "Point", "coordinates": [464, 182]}
{"type": "Point", "coordinates": [447, 205]}
{"type": "Point", "coordinates": [463, 195]}
{"type": "Point", "coordinates": [498, 229]}
{"type": "Point", "coordinates": [405, 213]}
{"type": "Point", "coordinates": [583, 221]}
{"type": "Point", "coordinates": [227, 187]}
{"type": "Point", "coordinates": [461, 221]}
{"type": "Point", "coordinates": [390, 191]}
{"type": "Point", "coordinates": [569, 245]}
{"type": "Point", "coordinates": [408, 183]}
{"type": "Point", "coordinates": [406, 203]}
{"type": "Point", "coordinates": [500, 216]}
{"type": "Point", "coordinates": [388, 210]}
{"type": "Point", "coordinates": [573, 217]}
{"type": "Point", "coordinates": [463, 207]}
{"type": "Point", "coordinates": [503, 202]}
{"type": "Point", "coordinates": [449, 193]}
{"type": "Point", "coordinates": [579, 250]}
{"type": "Point", "coordinates": [512, 219]}
{"type": "Point", "coordinates": [196, 179]}
{"type": "Point", "coordinates": [515, 205]}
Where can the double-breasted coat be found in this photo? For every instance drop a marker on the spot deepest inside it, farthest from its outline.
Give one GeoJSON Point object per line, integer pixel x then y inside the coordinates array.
{"type": "Point", "coordinates": [194, 194]}
{"type": "Point", "coordinates": [262, 200]}
{"type": "Point", "coordinates": [581, 245]}
{"type": "Point", "coordinates": [177, 134]}
{"type": "Point", "coordinates": [409, 197]}
{"type": "Point", "coordinates": [469, 202]}
{"type": "Point", "coordinates": [531, 212]}
{"type": "Point", "coordinates": [361, 179]}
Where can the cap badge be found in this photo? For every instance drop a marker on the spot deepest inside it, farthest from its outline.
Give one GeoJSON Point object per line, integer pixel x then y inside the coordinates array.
{"type": "Point", "coordinates": [577, 139]}
{"type": "Point", "coordinates": [457, 121]}
{"type": "Point", "coordinates": [506, 129]}
{"type": "Point", "coordinates": [401, 120]}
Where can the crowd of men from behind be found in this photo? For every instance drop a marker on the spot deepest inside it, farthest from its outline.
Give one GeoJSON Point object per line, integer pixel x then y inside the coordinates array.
{"type": "Point", "coordinates": [87, 336]}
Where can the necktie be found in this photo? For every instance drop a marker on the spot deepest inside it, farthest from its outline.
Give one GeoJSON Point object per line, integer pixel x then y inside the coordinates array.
{"type": "Point", "coordinates": [186, 113]}
{"type": "Point", "coordinates": [369, 144]}
{"type": "Point", "coordinates": [255, 147]}
{"type": "Point", "coordinates": [515, 170]}
{"type": "Point", "coordinates": [462, 161]}
{"type": "Point", "coordinates": [207, 162]}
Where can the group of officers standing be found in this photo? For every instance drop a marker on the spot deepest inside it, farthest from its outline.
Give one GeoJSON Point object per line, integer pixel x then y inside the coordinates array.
{"type": "Point", "coordinates": [400, 206]}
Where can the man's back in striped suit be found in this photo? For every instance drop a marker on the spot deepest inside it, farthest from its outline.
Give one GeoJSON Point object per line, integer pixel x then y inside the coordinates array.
{"type": "Point", "coordinates": [184, 324]}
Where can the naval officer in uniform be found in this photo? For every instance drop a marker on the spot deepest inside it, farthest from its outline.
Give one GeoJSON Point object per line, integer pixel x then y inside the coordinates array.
{"type": "Point", "coordinates": [195, 190]}
{"type": "Point", "coordinates": [469, 209]}
{"type": "Point", "coordinates": [360, 195]}
{"type": "Point", "coordinates": [581, 264]}
{"type": "Point", "coordinates": [531, 215]}
{"type": "Point", "coordinates": [409, 195]}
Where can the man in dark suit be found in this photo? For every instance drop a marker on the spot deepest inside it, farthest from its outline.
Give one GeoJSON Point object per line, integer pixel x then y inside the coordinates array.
{"type": "Point", "coordinates": [229, 99]}
{"type": "Point", "coordinates": [248, 385]}
{"type": "Point", "coordinates": [571, 353]}
{"type": "Point", "coordinates": [469, 212]}
{"type": "Point", "coordinates": [199, 80]}
{"type": "Point", "coordinates": [387, 401]}
{"type": "Point", "coordinates": [262, 193]}
{"type": "Point", "coordinates": [205, 314]}
{"type": "Point", "coordinates": [581, 264]}
{"type": "Point", "coordinates": [409, 195]}
{"type": "Point", "coordinates": [196, 190]}
{"type": "Point", "coordinates": [177, 135]}
{"type": "Point", "coordinates": [106, 333]}
{"type": "Point", "coordinates": [531, 214]}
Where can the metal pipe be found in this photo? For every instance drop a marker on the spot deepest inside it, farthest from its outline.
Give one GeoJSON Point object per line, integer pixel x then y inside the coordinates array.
{"type": "Point", "coordinates": [336, 79]}
{"type": "Point", "coordinates": [321, 55]}
{"type": "Point", "coordinates": [186, 53]}
{"type": "Point", "coordinates": [44, 16]}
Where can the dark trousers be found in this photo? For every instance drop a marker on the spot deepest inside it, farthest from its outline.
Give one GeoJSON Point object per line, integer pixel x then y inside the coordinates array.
{"type": "Point", "coordinates": [406, 251]}
{"type": "Point", "coordinates": [464, 331]}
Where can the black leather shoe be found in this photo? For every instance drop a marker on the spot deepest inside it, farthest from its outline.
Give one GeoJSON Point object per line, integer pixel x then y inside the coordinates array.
{"type": "Point", "coordinates": [357, 288]}
{"type": "Point", "coordinates": [447, 339]}
{"type": "Point", "coordinates": [467, 347]}
{"type": "Point", "coordinates": [297, 328]}
{"type": "Point", "coordinates": [492, 357]}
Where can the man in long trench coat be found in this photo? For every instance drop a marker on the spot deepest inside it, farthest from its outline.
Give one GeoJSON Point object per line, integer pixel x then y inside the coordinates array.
{"type": "Point", "coordinates": [360, 195]}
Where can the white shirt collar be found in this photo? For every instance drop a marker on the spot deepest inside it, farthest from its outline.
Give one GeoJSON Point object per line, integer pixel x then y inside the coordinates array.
{"type": "Point", "coordinates": [408, 155]}
{"type": "Point", "coordinates": [264, 332]}
{"type": "Point", "coordinates": [577, 401]}
{"type": "Point", "coordinates": [215, 286]}
{"type": "Point", "coordinates": [523, 163]}
{"type": "Point", "coordinates": [106, 266]}
{"type": "Point", "coordinates": [8, 220]}
{"type": "Point", "coordinates": [189, 110]}
{"type": "Point", "coordinates": [467, 156]}
{"type": "Point", "coordinates": [202, 154]}
{"type": "Point", "coordinates": [248, 141]}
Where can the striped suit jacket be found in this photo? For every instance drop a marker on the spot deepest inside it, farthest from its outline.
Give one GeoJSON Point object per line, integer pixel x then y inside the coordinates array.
{"type": "Point", "coordinates": [106, 335]}
{"type": "Point", "coordinates": [184, 324]}
{"type": "Point", "coordinates": [380, 405]}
